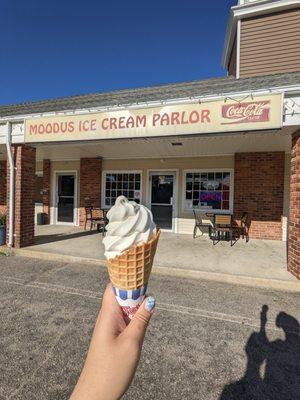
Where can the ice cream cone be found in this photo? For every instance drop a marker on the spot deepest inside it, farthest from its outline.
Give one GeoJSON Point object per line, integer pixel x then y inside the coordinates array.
{"type": "Point", "coordinates": [130, 244]}
{"type": "Point", "coordinates": [129, 273]}
{"type": "Point", "coordinates": [131, 269]}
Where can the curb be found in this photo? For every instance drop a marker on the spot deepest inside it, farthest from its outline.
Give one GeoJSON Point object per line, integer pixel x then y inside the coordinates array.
{"type": "Point", "coordinates": [244, 280]}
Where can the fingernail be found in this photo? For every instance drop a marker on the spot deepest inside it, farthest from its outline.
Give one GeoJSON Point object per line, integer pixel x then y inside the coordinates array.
{"type": "Point", "coordinates": [150, 303]}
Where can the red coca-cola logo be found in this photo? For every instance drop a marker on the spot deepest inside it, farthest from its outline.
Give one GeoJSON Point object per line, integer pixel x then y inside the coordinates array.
{"type": "Point", "coordinates": [258, 111]}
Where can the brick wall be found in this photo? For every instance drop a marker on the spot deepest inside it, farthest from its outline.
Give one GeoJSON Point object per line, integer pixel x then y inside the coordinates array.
{"type": "Point", "coordinates": [294, 218]}
{"type": "Point", "coordinates": [258, 190]}
{"type": "Point", "coordinates": [24, 157]}
{"type": "Point", "coordinates": [46, 189]}
{"type": "Point", "coordinates": [90, 184]}
{"type": "Point", "coordinates": [3, 186]}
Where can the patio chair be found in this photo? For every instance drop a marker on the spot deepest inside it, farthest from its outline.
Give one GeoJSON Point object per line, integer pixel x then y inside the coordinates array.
{"type": "Point", "coordinates": [200, 224]}
{"type": "Point", "coordinates": [222, 227]}
{"type": "Point", "coordinates": [243, 228]}
{"type": "Point", "coordinates": [96, 217]}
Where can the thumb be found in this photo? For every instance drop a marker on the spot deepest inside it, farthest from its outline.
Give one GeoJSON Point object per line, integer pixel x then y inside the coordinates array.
{"type": "Point", "coordinates": [138, 325]}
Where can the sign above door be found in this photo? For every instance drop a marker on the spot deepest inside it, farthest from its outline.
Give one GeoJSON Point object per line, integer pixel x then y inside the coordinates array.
{"type": "Point", "coordinates": [259, 113]}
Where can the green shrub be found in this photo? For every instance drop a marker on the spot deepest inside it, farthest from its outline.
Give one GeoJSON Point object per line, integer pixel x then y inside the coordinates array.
{"type": "Point", "coordinates": [2, 219]}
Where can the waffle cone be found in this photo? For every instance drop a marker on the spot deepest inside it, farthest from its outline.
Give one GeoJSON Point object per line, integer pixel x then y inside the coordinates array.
{"type": "Point", "coordinates": [131, 269]}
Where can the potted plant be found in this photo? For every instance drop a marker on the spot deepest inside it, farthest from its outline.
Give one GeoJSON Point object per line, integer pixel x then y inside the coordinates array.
{"type": "Point", "coordinates": [2, 229]}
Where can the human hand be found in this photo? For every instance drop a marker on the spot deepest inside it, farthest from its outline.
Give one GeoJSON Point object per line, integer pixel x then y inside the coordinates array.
{"type": "Point", "coordinates": [114, 351]}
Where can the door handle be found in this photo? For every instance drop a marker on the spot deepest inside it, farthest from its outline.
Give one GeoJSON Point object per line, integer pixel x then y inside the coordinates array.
{"type": "Point", "coordinates": [171, 201]}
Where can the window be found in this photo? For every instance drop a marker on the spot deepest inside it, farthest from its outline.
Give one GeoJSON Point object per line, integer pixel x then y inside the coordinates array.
{"type": "Point", "coordinates": [208, 190]}
{"type": "Point", "coordinates": [126, 183]}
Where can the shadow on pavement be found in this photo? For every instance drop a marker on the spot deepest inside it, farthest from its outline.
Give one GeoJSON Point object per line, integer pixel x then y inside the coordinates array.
{"type": "Point", "coordinates": [279, 360]}
{"type": "Point", "coordinates": [57, 237]}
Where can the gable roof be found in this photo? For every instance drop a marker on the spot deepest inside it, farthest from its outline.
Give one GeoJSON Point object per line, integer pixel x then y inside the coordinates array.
{"type": "Point", "coordinates": [206, 87]}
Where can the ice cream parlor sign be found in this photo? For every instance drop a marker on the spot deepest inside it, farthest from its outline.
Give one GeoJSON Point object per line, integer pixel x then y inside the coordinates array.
{"type": "Point", "coordinates": [255, 113]}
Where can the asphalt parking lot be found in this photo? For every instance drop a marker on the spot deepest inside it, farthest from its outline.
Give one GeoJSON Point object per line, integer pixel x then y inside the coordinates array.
{"type": "Point", "coordinates": [206, 340]}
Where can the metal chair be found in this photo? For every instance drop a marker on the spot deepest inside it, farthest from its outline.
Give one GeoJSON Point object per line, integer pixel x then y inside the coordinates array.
{"type": "Point", "coordinates": [200, 224]}
{"type": "Point", "coordinates": [243, 229]}
{"type": "Point", "coordinates": [96, 217]}
{"type": "Point", "coordinates": [222, 226]}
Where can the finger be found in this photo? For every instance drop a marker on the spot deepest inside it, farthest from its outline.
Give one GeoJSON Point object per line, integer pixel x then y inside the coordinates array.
{"type": "Point", "coordinates": [111, 317]}
{"type": "Point", "coordinates": [138, 326]}
{"type": "Point", "coordinates": [109, 302]}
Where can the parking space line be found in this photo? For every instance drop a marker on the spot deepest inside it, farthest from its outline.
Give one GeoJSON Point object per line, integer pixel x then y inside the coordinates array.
{"type": "Point", "coordinates": [170, 308]}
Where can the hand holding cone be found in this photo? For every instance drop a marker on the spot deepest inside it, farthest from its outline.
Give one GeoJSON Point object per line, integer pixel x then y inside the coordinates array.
{"type": "Point", "coordinates": [130, 246]}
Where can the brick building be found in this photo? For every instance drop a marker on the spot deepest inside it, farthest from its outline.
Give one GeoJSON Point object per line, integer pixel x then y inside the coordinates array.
{"type": "Point", "coordinates": [222, 145]}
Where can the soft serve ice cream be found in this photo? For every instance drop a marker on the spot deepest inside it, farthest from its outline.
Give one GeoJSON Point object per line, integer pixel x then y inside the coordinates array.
{"type": "Point", "coordinates": [129, 224]}
{"type": "Point", "coordinates": [130, 245]}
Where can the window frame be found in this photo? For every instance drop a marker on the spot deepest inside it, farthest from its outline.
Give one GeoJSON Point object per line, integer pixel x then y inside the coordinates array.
{"type": "Point", "coordinates": [208, 210]}
{"type": "Point", "coordinates": [118, 171]}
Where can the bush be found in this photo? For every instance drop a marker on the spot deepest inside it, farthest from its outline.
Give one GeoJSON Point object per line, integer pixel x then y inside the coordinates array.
{"type": "Point", "coordinates": [2, 219]}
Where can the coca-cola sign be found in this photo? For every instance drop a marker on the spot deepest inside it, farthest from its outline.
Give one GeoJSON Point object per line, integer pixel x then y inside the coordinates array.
{"type": "Point", "coordinates": [256, 111]}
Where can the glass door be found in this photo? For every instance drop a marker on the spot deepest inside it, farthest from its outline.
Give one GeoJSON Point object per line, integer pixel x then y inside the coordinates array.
{"type": "Point", "coordinates": [162, 195]}
{"type": "Point", "coordinates": [65, 198]}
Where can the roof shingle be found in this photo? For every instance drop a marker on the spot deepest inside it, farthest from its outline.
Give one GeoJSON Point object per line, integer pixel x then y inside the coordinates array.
{"type": "Point", "coordinates": [214, 86]}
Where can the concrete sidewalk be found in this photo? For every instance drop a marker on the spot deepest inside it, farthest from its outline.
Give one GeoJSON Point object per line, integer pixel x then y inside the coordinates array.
{"type": "Point", "coordinates": [179, 254]}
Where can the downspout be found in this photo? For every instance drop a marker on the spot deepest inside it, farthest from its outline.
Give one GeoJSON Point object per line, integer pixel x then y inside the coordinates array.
{"type": "Point", "coordinates": [11, 186]}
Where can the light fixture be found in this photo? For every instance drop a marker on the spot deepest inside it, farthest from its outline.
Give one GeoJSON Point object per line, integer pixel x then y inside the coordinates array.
{"type": "Point", "coordinates": [176, 144]}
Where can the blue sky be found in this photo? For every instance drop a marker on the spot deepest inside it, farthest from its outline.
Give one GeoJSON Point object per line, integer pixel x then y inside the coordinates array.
{"type": "Point", "coordinates": [61, 48]}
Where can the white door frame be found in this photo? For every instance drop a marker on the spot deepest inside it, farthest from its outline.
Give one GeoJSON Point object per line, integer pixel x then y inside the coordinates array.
{"type": "Point", "coordinates": [54, 198]}
{"type": "Point", "coordinates": [168, 171]}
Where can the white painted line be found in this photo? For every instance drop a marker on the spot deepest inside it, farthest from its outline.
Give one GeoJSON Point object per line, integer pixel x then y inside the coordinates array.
{"type": "Point", "coordinates": [174, 309]}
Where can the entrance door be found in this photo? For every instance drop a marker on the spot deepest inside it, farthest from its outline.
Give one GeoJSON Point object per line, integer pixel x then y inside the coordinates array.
{"type": "Point", "coordinates": [162, 199]}
{"type": "Point", "coordinates": [65, 198]}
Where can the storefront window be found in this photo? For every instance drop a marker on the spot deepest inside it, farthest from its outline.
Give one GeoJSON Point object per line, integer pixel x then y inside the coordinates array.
{"type": "Point", "coordinates": [125, 183]}
{"type": "Point", "coordinates": [206, 190]}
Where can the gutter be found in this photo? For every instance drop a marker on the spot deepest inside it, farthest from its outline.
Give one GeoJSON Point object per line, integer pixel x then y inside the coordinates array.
{"type": "Point", "coordinates": [287, 90]}
{"type": "Point", "coordinates": [11, 186]}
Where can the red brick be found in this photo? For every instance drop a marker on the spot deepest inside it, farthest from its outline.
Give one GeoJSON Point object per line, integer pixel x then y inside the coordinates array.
{"type": "Point", "coordinates": [24, 158]}
{"type": "Point", "coordinates": [258, 190]}
{"type": "Point", "coordinates": [294, 218]}
{"type": "Point", "coordinates": [90, 184]}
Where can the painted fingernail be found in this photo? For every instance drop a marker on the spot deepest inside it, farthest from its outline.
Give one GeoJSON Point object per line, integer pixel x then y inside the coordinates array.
{"type": "Point", "coordinates": [150, 303]}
